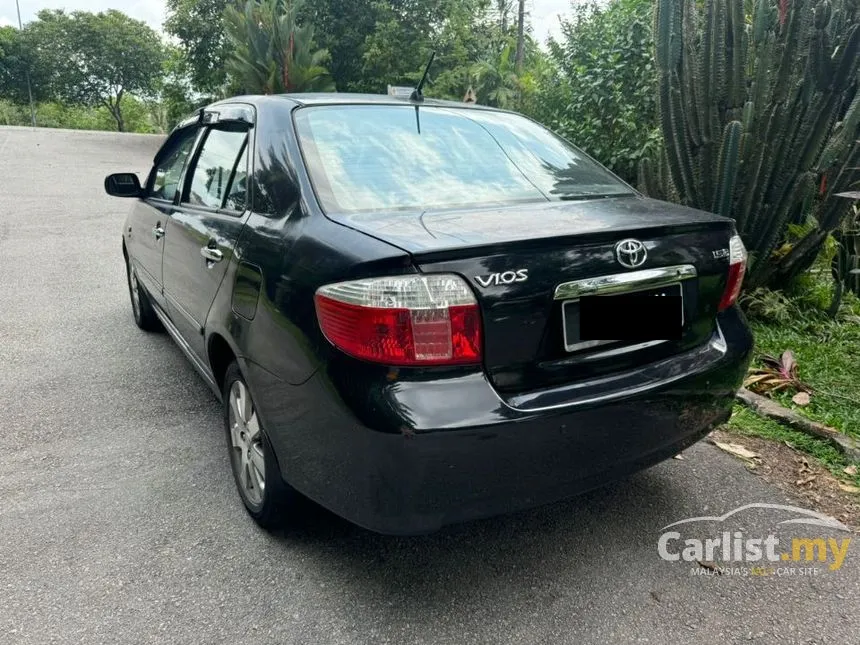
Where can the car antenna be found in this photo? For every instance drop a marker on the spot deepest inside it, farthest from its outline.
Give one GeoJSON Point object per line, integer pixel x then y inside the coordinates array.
{"type": "Point", "coordinates": [418, 93]}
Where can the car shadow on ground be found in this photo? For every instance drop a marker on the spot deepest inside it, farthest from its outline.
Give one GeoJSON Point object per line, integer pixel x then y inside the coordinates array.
{"type": "Point", "coordinates": [604, 527]}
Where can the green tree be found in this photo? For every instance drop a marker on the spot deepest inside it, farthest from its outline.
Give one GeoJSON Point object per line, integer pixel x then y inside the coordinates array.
{"type": "Point", "coordinates": [497, 81]}
{"type": "Point", "coordinates": [174, 99]}
{"type": "Point", "coordinates": [198, 26]}
{"type": "Point", "coordinates": [599, 90]}
{"type": "Point", "coordinates": [200, 29]}
{"type": "Point", "coordinates": [461, 32]}
{"type": "Point", "coordinates": [342, 26]}
{"type": "Point", "coordinates": [18, 58]}
{"type": "Point", "coordinates": [271, 53]}
{"type": "Point", "coordinates": [372, 43]}
{"type": "Point", "coordinates": [96, 59]}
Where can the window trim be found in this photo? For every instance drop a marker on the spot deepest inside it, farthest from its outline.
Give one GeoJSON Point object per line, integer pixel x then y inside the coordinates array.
{"type": "Point", "coordinates": [150, 180]}
{"type": "Point", "coordinates": [242, 152]}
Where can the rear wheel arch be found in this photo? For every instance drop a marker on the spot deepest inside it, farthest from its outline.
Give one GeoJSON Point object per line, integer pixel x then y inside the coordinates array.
{"type": "Point", "coordinates": [220, 355]}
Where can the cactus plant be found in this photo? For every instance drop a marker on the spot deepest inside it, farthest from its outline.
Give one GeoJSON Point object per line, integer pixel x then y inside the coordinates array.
{"type": "Point", "coordinates": [760, 117]}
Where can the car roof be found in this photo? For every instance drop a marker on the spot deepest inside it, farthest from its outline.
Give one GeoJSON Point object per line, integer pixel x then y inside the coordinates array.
{"type": "Point", "coordinates": [348, 98]}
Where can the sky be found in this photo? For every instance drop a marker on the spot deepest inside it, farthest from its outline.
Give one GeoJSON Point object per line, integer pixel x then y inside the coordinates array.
{"type": "Point", "coordinates": [544, 13]}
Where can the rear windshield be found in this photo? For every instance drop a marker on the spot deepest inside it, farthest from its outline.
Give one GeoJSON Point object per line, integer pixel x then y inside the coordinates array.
{"type": "Point", "coordinates": [392, 157]}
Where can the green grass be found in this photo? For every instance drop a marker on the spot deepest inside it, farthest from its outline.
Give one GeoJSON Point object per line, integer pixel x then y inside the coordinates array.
{"type": "Point", "coordinates": [746, 422]}
{"type": "Point", "coordinates": [828, 356]}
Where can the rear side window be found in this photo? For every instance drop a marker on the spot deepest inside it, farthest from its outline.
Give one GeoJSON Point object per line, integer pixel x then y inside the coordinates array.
{"type": "Point", "coordinates": [168, 169]}
{"type": "Point", "coordinates": [213, 173]}
{"type": "Point", "coordinates": [392, 157]}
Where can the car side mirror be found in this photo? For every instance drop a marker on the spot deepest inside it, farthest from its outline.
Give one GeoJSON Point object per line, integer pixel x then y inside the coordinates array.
{"type": "Point", "coordinates": [123, 184]}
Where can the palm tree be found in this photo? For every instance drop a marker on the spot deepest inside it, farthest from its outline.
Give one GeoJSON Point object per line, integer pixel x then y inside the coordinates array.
{"type": "Point", "coordinates": [270, 53]}
{"type": "Point", "coordinates": [496, 81]}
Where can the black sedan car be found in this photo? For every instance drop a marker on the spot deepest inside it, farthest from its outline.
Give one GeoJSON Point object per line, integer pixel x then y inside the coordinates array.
{"type": "Point", "coordinates": [418, 312]}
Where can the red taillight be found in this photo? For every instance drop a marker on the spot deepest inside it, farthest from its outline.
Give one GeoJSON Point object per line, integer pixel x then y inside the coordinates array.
{"type": "Point", "coordinates": [737, 268]}
{"type": "Point", "coordinates": [403, 320]}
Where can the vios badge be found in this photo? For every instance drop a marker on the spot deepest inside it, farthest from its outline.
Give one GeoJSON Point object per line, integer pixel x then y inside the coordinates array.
{"type": "Point", "coordinates": [505, 277]}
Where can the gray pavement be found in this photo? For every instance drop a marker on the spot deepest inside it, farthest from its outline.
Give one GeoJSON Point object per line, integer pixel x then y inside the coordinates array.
{"type": "Point", "coordinates": [119, 522]}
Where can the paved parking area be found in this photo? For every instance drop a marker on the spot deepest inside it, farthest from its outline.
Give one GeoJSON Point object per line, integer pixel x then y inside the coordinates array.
{"type": "Point", "coordinates": [119, 523]}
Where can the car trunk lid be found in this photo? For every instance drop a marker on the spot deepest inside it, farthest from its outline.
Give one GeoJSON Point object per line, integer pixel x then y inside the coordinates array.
{"type": "Point", "coordinates": [515, 257]}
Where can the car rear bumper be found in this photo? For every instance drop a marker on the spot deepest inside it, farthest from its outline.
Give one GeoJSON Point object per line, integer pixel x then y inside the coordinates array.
{"type": "Point", "coordinates": [462, 452]}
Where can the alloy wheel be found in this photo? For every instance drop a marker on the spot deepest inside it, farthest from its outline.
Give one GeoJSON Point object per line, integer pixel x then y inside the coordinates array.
{"type": "Point", "coordinates": [246, 441]}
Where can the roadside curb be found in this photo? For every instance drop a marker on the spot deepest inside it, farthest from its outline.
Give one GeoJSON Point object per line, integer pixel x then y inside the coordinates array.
{"type": "Point", "coordinates": [773, 410]}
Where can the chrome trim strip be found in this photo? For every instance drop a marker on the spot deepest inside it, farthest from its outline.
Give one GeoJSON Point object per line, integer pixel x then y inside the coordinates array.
{"type": "Point", "coordinates": [587, 344]}
{"type": "Point", "coordinates": [621, 282]}
{"type": "Point", "coordinates": [198, 365]}
{"type": "Point", "coordinates": [616, 351]}
{"type": "Point", "coordinates": [717, 342]}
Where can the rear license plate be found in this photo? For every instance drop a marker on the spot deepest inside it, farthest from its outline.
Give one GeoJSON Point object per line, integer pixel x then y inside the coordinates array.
{"type": "Point", "coordinates": [646, 315]}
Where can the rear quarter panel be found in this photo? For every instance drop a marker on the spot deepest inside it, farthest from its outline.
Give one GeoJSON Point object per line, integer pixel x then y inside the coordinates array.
{"type": "Point", "coordinates": [296, 250]}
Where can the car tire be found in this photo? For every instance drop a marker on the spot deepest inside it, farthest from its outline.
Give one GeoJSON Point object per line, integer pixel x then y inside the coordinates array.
{"type": "Point", "coordinates": [268, 499]}
{"type": "Point", "coordinates": [141, 307]}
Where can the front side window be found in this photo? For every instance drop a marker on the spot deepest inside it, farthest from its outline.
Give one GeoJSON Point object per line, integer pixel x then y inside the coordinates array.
{"type": "Point", "coordinates": [168, 169]}
{"type": "Point", "coordinates": [213, 172]}
{"type": "Point", "coordinates": [391, 157]}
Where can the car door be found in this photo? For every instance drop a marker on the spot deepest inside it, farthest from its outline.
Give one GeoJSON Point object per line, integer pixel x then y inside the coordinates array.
{"type": "Point", "coordinates": [148, 221]}
{"type": "Point", "coordinates": [204, 227]}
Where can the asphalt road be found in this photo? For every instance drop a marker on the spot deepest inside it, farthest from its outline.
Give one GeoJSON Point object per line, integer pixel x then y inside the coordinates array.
{"type": "Point", "coordinates": [119, 522]}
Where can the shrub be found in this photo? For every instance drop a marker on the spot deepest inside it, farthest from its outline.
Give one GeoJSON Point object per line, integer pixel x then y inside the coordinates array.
{"type": "Point", "coordinates": [601, 93]}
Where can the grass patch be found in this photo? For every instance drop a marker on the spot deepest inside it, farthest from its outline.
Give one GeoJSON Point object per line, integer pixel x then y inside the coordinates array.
{"type": "Point", "coordinates": [828, 356]}
{"type": "Point", "coordinates": [746, 422]}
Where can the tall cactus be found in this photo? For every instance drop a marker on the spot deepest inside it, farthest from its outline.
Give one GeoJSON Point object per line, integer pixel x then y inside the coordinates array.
{"type": "Point", "coordinates": [757, 114]}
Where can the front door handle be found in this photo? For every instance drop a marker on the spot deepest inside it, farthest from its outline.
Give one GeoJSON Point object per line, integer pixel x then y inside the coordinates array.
{"type": "Point", "coordinates": [157, 231]}
{"type": "Point", "coordinates": [212, 255]}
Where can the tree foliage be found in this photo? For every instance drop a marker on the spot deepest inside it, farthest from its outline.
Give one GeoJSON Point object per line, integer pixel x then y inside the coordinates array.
{"type": "Point", "coordinates": [95, 59]}
{"type": "Point", "coordinates": [137, 116]}
{"type": "Point", "coordinates": [341, 27]}
{"type": "Point", "coordinates": [751, 108]}
{"type": "Point", "coordinates": [198, 27]}
{"type": "Point", "coordinates": [600, 90]}
{"type": "Point", "coordinates": [18, 64]}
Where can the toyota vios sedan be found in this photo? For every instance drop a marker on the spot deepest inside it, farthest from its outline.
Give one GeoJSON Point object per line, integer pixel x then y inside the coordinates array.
{"type": "Point", "coordinates": [418, 312]}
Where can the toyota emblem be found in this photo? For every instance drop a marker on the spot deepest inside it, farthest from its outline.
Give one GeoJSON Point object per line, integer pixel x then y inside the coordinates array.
{"type": "Point", "coordinates": [631, 253]}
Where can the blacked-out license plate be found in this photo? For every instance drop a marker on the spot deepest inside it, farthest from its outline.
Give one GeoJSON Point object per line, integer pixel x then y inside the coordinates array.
{"type": "Point", "coordinates": [650, 314]}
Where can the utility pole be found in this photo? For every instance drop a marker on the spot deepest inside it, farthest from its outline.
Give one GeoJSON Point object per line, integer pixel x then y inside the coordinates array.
{"type": "Point", "coordinates": [27, 71]}
{"type": "Point", "coordinates": [521, 35]}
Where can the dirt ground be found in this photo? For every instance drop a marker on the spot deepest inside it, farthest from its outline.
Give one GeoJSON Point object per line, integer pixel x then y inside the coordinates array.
{"type": "Point", "coordinates": [798, 475]}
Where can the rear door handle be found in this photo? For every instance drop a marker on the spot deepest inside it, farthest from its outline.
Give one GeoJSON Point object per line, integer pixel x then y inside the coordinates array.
{"type": "Point", "coordinates": [157, 231]}
{"type": "Point", "coordinates": [212, 255]}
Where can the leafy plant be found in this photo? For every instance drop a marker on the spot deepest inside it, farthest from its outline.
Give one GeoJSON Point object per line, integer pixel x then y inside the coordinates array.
{"type": "Point", "coordinates": [497, 81]}
{"type": "Point", "coordinates": [768, 306]}
{"type": "Point", "coordinates": [198, 28]}
{"type": "Point", "coordinates": [270, 53]}
{"type": "Point", "coordinates": [760, 115]}
{"type": "Point", "coordinates": [776, 374]}
{"type": "Point", "coordinates": [601, 92]}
